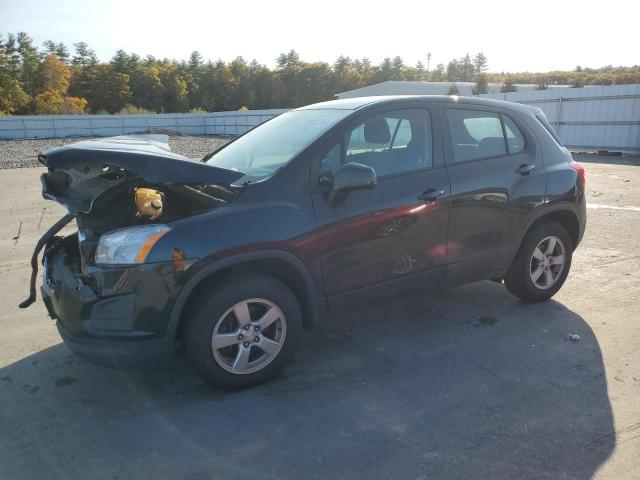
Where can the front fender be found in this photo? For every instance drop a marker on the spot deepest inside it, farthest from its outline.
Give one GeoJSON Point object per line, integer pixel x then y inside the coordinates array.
{"type": "Point", "coordinates": [208, 267]}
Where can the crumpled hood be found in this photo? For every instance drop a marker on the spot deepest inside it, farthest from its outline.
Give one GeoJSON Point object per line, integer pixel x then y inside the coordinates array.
{"type": "Point", "coordinates": [80, 172]}
{"type": "Point", "coordinates": [145, 156]}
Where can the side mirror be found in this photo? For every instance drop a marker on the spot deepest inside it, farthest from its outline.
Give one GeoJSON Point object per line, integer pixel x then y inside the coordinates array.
{"type": "Point", "coordinates": [350, 177]}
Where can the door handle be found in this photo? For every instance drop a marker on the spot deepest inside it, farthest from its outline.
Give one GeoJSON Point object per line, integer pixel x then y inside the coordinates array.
{"type": "Point", "coordinates": [525, 169]}
{"type": "Point", "coordinates": [430, 195]}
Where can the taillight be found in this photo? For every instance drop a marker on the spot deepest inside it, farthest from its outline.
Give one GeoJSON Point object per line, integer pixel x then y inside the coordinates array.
{"type": "Point", "coordinates": [580, 169]}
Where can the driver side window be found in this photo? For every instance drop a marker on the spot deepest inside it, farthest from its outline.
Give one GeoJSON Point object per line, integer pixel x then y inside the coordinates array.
{"type": "Point", "coordinates": [390, 143]}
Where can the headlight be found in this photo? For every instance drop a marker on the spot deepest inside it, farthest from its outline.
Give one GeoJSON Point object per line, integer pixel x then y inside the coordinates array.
{"type": "Point", "coordinates": [129, 245]}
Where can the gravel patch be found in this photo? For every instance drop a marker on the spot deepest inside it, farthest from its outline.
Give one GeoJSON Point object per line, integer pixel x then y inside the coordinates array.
{"type": "Point", "coordinates": [24, 153]}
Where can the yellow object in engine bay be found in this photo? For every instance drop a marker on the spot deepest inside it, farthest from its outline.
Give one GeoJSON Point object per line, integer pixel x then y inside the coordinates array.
{"type": "Point", "coordinates": [149, 202]}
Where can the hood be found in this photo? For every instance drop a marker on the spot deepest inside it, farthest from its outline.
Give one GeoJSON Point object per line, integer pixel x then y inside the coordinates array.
{"type": "Point", "coordinates": [80, 172]}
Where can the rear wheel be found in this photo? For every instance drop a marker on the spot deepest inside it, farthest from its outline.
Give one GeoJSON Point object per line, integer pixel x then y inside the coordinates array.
{"type": "Point", "coordinates": [244, 332]}
{"type": "Point", "coordinates": [542, 264]}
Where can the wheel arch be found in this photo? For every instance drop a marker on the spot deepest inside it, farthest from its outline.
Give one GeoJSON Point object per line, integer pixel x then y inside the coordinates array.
{"type": "Point", "coordinates": [282, 265]}
{"type": "Point", "coordinates": [565, 215]}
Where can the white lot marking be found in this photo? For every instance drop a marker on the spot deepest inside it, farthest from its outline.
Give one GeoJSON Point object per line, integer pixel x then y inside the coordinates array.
{"type": "Point", "coordinates": [612, 207]}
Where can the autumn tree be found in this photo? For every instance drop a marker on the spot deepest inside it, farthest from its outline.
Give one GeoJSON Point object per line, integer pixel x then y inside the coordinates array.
{"type": "Point", "coordinates": [49, 102]}
{"type": "Point", "coordinates": [47, 80]}
{"type": "Point", "coordinates": [73, 106]}
{"type": "Point", "coordinates": [54, 75]}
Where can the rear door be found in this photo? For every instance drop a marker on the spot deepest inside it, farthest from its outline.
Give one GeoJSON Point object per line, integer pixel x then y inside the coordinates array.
{"type": "Point", "coordinates": [393, 236]}
{"type": "Point", "coordinates": [497, 178]}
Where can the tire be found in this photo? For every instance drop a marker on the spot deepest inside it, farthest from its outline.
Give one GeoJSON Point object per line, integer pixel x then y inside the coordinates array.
{"type": "Point", "coordinates": [214, 312]}
{"type": "Point", "coordinates": [520, 279]}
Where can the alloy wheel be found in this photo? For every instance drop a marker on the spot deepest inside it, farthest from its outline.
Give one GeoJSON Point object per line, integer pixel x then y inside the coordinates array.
{"type": "Point", "coordinates": [248, 336]}
{"type": "Point", "coordinates": [547, 262]}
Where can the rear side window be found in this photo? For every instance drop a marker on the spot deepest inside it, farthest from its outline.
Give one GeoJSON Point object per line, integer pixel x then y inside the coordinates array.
{"type": "Point", "coordinates": [545, 123]}
{"type": "Point", "coordinates": [475, 134]}
{"type": "Point", "coordinates": [515, 139]}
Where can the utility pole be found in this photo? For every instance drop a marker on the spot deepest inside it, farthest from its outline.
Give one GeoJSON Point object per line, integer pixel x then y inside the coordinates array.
{"type": "Point", "coordinates": [428, 61]}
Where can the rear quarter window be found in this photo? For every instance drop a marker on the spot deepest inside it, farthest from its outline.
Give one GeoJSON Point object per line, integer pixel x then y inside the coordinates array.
{"type": "Point", "coordinates": [545, 123]}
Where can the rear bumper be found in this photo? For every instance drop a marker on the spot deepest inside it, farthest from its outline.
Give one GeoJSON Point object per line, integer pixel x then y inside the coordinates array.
{"type": "Point", "coordinates": [582, 218]}
{"type": "Point", "coordinates": [114, 317]}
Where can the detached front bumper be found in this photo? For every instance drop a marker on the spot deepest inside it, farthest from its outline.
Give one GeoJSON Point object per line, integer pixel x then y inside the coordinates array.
{"type": "Point", "coordinates": [111, 316]}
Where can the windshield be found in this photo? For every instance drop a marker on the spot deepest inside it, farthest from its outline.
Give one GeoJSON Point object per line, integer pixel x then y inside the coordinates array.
{"type": "Point", "coordinates": [273, 144]}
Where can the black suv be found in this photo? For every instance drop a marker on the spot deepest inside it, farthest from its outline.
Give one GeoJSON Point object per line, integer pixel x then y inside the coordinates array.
{"type": "Point", "coordinates": [322, 208]}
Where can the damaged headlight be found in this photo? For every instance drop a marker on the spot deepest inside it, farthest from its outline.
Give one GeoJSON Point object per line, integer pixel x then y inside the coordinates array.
{"type": "Point", "coordinates": [129, 245]}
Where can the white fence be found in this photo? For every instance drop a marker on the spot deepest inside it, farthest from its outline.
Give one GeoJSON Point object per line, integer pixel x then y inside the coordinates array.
{"type": "Point", "coordinates": [590, 118]}
{"type": "Point", "coordinates": [55, 126]}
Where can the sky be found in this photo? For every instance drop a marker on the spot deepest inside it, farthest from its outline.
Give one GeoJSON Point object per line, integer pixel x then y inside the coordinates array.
{"type": "Point", "coordinates": [531, 35]}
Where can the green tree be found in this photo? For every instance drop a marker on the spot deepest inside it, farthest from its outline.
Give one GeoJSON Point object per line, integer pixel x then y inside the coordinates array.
{"type": "Point", "coordinates": [541, 83]}
{"type": "Point", "coordinates": [28, 61]}
{"type": "Point", "coordinates": [508, 86]}
{"type": "Point", "coordinates": [384, 72]}
{"type": "Point", "coordinates": [129, 83]}
{"type": "Point", "coordinates": [150, 89]}
{"type": "Point", "coordinates": [111, 91]}
{"type": "Point", "coordinates": [62, 52]}
{"type": "Point", "coordinates": [289, 67]}
{"type": "Point", "coordinates": [175, 96]}
{"type": "Point", "coordinates": [13, 61]}
{"type": "Point", "coordinates": [13, 98]}
{"type": "Point", "coordinates": [397, 68]}
{"type": "Point", "coordinates": [344, 77]}
{"type": "Point", "coordinates": [454, 72]}
{"type": "Point", "coordinates": [83, 67]}
{"type": "Point", "coordinates": [481, 85]}
{"type": "Point", "coordinates": [480, 63]}
{"type": "Point", "coordinates": [466, 68]}
{"type": "Point", "coordinates": [438, 74]}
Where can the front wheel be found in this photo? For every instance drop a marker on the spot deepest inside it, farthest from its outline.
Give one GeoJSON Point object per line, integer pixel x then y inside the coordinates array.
{"type": "Point", "coordinates": [542, 263]}
{"type": "Point", "coordinates": [244, 331]}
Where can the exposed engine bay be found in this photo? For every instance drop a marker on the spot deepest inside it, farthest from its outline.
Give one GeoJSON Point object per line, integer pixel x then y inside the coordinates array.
{"type": "Point", "coordinates": [120, 182]}
{"type": "Point", "coordinates": [135, 203]}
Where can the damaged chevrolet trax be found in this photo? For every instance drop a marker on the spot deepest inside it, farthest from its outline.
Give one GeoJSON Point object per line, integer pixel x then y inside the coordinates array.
{"type": "Point", "coordinates": [324, 208]}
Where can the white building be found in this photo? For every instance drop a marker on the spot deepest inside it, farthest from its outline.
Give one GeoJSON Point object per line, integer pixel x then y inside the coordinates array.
{"type": "Point", "coordinates": [396, 87]}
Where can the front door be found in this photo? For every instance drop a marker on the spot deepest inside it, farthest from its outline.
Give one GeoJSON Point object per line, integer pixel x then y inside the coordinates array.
{"type": "Point", "coordinates": [393, 236]}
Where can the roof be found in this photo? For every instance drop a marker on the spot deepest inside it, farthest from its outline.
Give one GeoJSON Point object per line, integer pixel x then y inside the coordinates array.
{"type": "Point", "coordinates": [360, 102]}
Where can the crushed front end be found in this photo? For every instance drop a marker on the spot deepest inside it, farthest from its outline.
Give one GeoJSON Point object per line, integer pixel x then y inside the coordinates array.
{"type": "Point", "coordinates": [111, 286]}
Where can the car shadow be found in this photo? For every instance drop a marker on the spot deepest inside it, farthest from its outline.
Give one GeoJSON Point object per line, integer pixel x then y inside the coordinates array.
{"type": "Point", "coordinates": [469, 384]}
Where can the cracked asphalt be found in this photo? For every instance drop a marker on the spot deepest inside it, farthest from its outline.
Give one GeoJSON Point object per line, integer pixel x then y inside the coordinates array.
{"type": "Point", "coordinates": [466, 384]}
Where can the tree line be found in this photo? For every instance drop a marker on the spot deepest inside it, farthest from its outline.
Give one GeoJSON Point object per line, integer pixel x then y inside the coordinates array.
{"type": "Point", "coordinates": [53, 80]}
